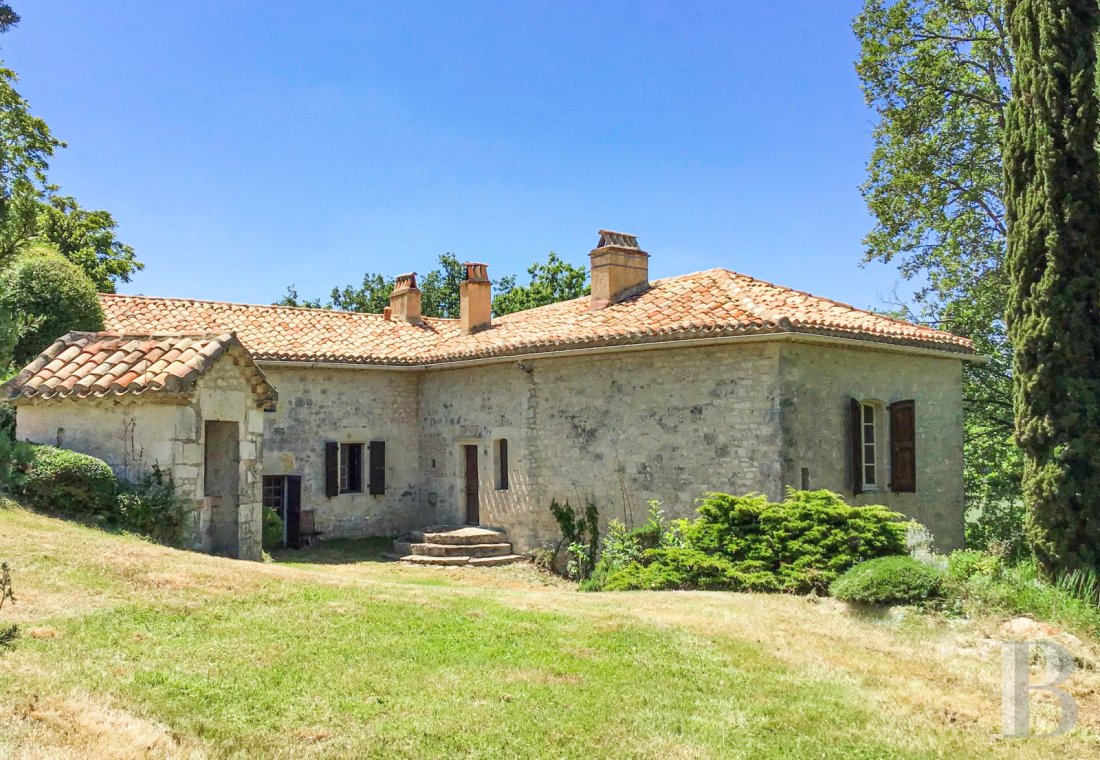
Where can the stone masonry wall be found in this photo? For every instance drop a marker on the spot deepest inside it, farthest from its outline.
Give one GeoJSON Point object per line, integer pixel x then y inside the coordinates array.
{"type": "Point", "coordinates": [617, 429]}
{"type": "Point", "coordinates": [132, 434]}
{"type": "Point", "coordinates": [818, 383]}
{"type": "Point", "coordinates": [349, 406]}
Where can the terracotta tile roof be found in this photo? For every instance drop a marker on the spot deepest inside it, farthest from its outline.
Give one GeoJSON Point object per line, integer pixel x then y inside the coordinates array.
{"type": "Point", "coordinates": [711, 304]}
{"type": "Point", "coordinates": [83, 365]}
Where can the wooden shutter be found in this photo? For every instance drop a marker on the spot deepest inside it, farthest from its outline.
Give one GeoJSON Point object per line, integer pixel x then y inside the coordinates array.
{"type": "Point", "coordinates": [503, 464]}
{"type": "Point", "coordinates": [378, 467]}
{"type": "Point", "coordinates": [332, 468]}
{"type": "Point", "coordinates": [903, 447]}
{"type": "Point", "coordinates": [855, 444]}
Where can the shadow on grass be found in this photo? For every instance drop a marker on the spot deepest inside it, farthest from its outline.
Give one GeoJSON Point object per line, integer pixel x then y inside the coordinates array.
{"type": "Point", "coordinates": [340, 551]}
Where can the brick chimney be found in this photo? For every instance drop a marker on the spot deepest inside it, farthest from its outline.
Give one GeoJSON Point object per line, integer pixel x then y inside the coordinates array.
{"type": "Point", "coordinates": [475, 299]}
{"type": "Point", "coordinates": [405, 299]}
{"type": "Point", "coordinates": [620, 269]}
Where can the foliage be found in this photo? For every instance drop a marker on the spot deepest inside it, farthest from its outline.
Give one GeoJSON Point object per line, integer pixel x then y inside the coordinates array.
{"type": "Point", "coordinates": [887, 580]}
{"type": "Point", "coordinates": [551, 282]}
{"type": "Point", "coordinates": [87, 238]}
{"type": "Point", "coordinates": [1053, 210]}
{"type": "Point", "coordinates": [15, 457]}
{"type": "Point", "coordinates": [580, 535]}
{"type": "Point", "coordinates": [8, 17]}
{"type": "Point", "coordinates": [42, 283]}
{"type": "Point", "coordinates": [937, 73]}
{"type": "Point", "coordinates": [8, 633]}
{"type": "Point", "coordinates": [998, 526]}
{"type": "Point", "coordinates": [681, 568]}
{"type": "Point", "coordinates": [800, 544]}
{"type": "Point", "coordinates": [152, 507]}
{"type": "Point", "coordinates": [987, 584]}
{"type": "Point", "coordinates": [272, 529]}
{"type": "Point", "coordinates": [28, 147]}
{"type": "Point", "coordinates": [619, 547]}
{"type": "Point", "coordinates": [67, 482]}
{"type": "Point", "coordinates": [554, 281]}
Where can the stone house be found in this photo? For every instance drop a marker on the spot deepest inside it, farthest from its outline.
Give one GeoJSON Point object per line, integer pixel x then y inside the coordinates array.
{"type": "Point", "coordinates": [664, 390]}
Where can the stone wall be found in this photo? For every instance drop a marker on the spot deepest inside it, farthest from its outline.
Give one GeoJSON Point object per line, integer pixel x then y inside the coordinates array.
{"type": "Point", "coordinates": [348, 406]}
{"type": "Point", "coordinates": [818, 383]}
{"type": "Point", "coordinates": [132, 433]}
{"type": "Point", "coordinates": [616, 429]}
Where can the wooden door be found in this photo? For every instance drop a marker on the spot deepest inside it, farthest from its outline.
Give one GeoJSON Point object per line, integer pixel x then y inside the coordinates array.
{"type": "Point", "coordinates": [293, 496]}
{"type": "Point", "coordinates": [473, 507]}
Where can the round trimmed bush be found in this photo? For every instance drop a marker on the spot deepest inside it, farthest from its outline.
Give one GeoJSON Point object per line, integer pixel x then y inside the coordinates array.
{"type": "Point", "coordinates": [888, 580]}
{"type": "Point", "coordinates": [58, 480]}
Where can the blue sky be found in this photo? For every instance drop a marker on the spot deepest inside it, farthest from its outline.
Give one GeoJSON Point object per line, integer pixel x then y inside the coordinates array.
{"type": "Point", "coordinates": [244, 146]}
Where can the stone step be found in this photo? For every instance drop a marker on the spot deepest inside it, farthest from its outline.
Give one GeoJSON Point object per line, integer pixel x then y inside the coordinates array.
{"type": "Point", "coordinates": [421, 559]}
{"type": "Point", "coordinates": [460, 550]}
{"type": "Point", "coordinates": [459, 536]}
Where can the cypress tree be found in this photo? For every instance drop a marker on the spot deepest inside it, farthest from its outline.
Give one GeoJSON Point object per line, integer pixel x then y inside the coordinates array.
{"type": "Point", "coordinates": [1053, 212]}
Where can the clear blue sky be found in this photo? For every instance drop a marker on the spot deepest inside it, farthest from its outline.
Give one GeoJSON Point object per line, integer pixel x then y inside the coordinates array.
{"type": "Point", "coordinates": [244, 146]}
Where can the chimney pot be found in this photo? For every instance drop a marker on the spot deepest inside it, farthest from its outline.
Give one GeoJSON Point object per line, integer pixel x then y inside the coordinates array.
{"type": "Point", "coordinates": [405, 299]}
{"type": "Point", "coordinates": [475, 299]}
{"type": "Point", "coordinates": [620, 269]}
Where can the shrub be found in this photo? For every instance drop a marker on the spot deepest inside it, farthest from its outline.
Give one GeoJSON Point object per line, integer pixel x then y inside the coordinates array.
{"type": "Point", "coordinates": [888, 580]}
{"type": "Point", "coordinates": [55, 293]}
{"type": "Point", "coordinates": [618, 549]}
{"type": "Point", "coordinates": [152, 507]}
{"type": "Point", "coordinates": [272, 529]}
{"type": "Point", "coordinates": [8, 633]}
{"type": "Point", "coordinates": [748, 543]}
{"type": "Point", "coordinates": [580, 535]}
{"type": "Point", "coordinates": [15, 457]}
{"type": "Point", "coordinates": [682, 568]}
{"type": "Point", "coordinates": [58, 480]}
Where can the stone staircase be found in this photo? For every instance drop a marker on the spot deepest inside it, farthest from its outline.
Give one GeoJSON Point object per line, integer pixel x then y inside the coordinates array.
{"type": "Point", "coordinates": [450, 545]}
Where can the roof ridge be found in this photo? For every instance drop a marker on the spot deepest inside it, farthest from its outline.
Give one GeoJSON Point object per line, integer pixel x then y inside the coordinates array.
{"type": "Point", "coordinates": [213, 302]}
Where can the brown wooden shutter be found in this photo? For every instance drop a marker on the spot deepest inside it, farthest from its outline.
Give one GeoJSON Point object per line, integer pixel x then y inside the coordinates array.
{"type": "Point", "coordinates": [332, 468]}
{"type": "Point", "coordinates": [855, 444]}
{"type": "Point", "coordinates": [903, 447]}
{"type": "Point", "coordinates": [293, 511]}
{"type": "Point", "coordinates": [378, 467]}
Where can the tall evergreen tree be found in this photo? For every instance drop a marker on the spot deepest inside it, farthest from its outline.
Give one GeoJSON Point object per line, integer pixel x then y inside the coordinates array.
{"type": "Point", "coordinates": [1052, 183]}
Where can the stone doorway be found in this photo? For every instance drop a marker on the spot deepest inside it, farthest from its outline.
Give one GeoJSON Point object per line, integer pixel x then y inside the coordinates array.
{"type": "Point", "coordinates": [222, 485]}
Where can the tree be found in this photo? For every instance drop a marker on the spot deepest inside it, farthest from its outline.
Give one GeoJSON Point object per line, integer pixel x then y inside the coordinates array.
{"type": "Point", "coordinates": [554, 281]}
{"type": "Point", "coordinates": [8, 17]}
{"type": "Point", "coordinates": [54, 293]}
{"type": "Point", "coordinates": [1052, 175]}
{"type": "Point", "coordinates": [937, 74]}
{"type": "Point", "coordinates": [87, 238]}
{"type": "Point", "coordinates": [27, 147]}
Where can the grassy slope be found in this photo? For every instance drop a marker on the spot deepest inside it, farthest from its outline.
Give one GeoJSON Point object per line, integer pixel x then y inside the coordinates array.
{"type": "Point", "coordinates": [144, 651]}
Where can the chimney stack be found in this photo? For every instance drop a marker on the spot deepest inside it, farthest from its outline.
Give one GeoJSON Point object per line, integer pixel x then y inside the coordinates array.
{"type": "Point", "coordinates": [620, 269]}
{"type": "Point", "coordinates": [405, 299]}
{"type": "Point", "coordinates": [475, 299]}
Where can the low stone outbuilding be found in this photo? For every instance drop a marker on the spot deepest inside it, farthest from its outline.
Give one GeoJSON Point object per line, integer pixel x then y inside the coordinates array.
{"type": "Point", "coordinates": [191, 404]}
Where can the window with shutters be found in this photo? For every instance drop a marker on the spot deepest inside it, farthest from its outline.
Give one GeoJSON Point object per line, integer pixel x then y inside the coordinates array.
{"type": "Point", "coordinates": [351, 468]}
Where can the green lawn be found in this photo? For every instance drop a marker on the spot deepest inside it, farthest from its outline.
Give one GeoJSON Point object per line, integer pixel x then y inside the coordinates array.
{"type": "Point", "coordinates": [332, 652]}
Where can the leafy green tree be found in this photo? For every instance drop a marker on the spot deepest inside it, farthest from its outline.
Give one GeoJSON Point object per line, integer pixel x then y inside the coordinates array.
{"type": "Point", "coordinates": [8, 17]}
{"type": "Point", "coordinates": [28, 146]}
{"type": "Point", "coordinates": [54, 293]}
{"type": "Point", "coordinates": [937, 74]}
{"type": "Point", "coordinates": [439, 290]}
{"type": "Point", "coordinates": [554, 281]}
{"type": "Point", "coordinates": [1052, 175]}
{"type": "Point", "coordinates": [87, 238]}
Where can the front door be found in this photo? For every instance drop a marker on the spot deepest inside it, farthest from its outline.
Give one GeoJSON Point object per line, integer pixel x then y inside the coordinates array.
{"type": "Point", "coordinates": [473, 508]}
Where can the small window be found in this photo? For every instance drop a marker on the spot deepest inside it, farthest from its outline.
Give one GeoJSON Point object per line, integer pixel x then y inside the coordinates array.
{"type": "Point", "coordinates": [502, 464]}
{"type": "Point", "coordinates": [275, 494]}
{"type": "Point", "coordinates": [351, 468]}
{"type": "Point", "coordinates": [869, 446]}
